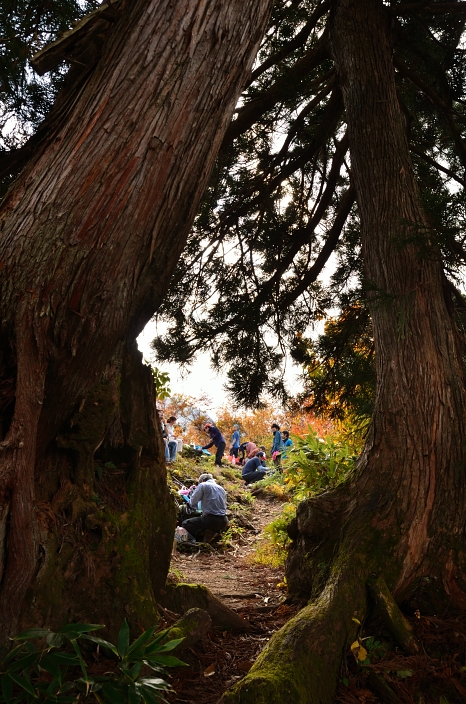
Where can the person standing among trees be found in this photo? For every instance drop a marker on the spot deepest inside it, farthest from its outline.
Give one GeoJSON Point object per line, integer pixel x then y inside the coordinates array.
{"type": "Point", "coordinates": [234, 449]}
{"type": "Point", "coordinates": [277, 444]}
{"type": "Point", "coordinates": [217, 439]}
{"type": "Point", "coordinates": [172, 442]}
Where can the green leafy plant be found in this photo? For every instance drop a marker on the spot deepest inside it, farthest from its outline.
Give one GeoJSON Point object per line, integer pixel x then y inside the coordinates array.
{"type": "Point", "coordinates": [318, 463]}
{"type": "Point", "coordinates": [161, 381]}
{"type": "Point", "coordinates": [272, 549]}
{"type": "Point", "coordinates": [56, 672]}
{"type": "Point", "coordinates": [232, 533]}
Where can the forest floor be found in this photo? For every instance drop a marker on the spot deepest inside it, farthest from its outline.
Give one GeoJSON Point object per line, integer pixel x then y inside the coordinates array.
{"type": "Point", "coordinates": [240, 572]}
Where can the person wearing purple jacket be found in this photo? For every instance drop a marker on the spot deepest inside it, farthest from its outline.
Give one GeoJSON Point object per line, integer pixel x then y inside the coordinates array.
{"type": "Point", "coordinates": [217, 439]}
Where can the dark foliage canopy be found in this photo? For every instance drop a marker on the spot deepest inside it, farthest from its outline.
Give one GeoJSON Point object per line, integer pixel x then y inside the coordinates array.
{"type": "Point", "coordinates": [275, 248]}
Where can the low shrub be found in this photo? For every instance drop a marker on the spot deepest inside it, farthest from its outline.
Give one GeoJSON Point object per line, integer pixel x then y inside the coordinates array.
{"type": "Point", "coordinates": [55, 670]}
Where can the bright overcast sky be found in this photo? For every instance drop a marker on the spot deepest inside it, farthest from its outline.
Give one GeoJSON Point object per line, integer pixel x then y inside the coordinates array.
{"type": "Point", "coordinates": [201, 379]}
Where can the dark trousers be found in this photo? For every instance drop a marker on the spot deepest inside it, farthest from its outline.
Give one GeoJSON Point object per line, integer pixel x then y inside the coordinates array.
{"type": "Point", "coordinates": [254, 476]}
{"type": "Point", "coordinates": [197, 526]}
{"type": "Point", "coordinates": [219, 454]}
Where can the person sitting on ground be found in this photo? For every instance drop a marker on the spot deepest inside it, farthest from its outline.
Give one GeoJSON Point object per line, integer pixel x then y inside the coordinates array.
{"type": "Point", "coordinates": [218, 440]}
{"type": "Point", "coordinates": [287, 442]}
{"type": "Point", "coordinates": [213, 500]}
{"type": "Point", "coordinates": [254, 469]}
{"type": "Point", "coordinates": [234, 449]}
{"type": "Point", "coordinates": [277, 445]}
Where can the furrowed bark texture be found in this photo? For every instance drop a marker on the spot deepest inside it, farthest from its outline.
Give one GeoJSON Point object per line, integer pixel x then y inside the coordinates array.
{"type": "Point", "coordinates": [402, 514]}
{"type": "Point", "coordinates": [91, 231]}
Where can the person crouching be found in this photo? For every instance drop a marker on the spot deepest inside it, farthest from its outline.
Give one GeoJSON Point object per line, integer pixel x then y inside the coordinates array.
{"type": "Point", "coordinates": [254, 469]}
{"type": "Point", "coordinates": [214, 508]}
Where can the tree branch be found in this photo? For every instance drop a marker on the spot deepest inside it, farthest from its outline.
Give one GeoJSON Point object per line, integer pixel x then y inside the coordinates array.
{"type": "Point", "coordinates": [446, 110]}
{"type": "Point", "coordinates": [297, 41]}
{"type": "Point", "coordinates": [327, 126]}
{"type": "Point", "coordinates": [333, 236]}
{"type": "Point", "coordinates": [254, 109]}
{"type": "Point", "coordinates": [439, 8]}
{"type": "Point", "coordinates": [438, 166]}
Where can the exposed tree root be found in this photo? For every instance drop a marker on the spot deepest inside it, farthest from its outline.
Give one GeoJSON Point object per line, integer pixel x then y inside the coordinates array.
{"type": "Point", "coordinates": [391, 614]}
{"type": "Point", "coordinates": [182, 597]}
{"type": "Point", "coordinates": [301, 662]}
{"type": "Point", "coordinates": [191, 627]}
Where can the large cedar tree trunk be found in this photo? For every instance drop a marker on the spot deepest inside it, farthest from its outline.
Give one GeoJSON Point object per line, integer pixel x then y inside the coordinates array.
{"type": "Point", "coordinates": [401, 516]}
{"type": "Point", "coordinates": [89, 236]}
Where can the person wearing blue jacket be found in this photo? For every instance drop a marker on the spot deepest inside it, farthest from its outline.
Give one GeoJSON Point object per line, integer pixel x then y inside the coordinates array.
{"type": "Point", "coordinates": [234, 448]}
{"type": "Point", "coordinates": [217, 439]}
{"type": "Point", "coordinates": [277, 445]}
{"type": "Point", "coordinates": [287, 442]}
{"type": "Point", "coordinates": [254, 470]}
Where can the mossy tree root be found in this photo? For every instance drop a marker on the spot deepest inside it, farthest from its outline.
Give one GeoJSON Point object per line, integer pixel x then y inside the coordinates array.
{"type": "Point", "coordinates": [301, 661]}
{"type": "Point", "coordinates": [391, 614]}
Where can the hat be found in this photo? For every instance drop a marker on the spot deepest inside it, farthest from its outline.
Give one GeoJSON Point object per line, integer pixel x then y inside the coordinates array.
{"type": "Point", "coordinates": [204, 478]}
{"type": "Point", "coordinates": [260, 454]}
{"type": "Point", "coordinates": [207, 425]}
{"type": "Point", "coordinates": [236, 426]}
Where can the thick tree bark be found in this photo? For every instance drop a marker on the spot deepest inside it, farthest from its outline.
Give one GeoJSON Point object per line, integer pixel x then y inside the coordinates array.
{"type": "Point", "coordinates": [402, 515]}
{"type": "Point", "coordinates": [91, 231]}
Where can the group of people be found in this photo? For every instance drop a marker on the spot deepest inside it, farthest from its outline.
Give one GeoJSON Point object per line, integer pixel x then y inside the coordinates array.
{"type": "Point", "coordinates": [252, 457]}
{"type": "Point", "coordinates": [210, 496]}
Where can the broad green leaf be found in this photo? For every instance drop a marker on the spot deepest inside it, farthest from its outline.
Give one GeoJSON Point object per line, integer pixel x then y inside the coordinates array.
{"type": "Point", "coordinates": [24, 683]}
{"type": "Point", "coordinates": [102, 643]}
{"type": "Point", "coordinates": [114, 693]}
{"type": "Point", "coordinates": [72, 628]}
{"type": "Point", "coordinates": [50, 665]}
{"type": "Point", "coordinates": [133, 695]}
{"type": "Point", "coordinates": [80, 659]}
{"type": "Point", "coordinates": [123, 639]}
{"type": "Point", "coordinates": [154, 682]}
{"type": "Point", "coordinates": [52, 688]}
{"type": "Point", "coordinates": [66, 658]}
{"type": "Point", "coordinates": [143, 638]}
{"type": "Point", "coordinates": [135, 671]}
{"type": "Point", "coordinates": [88, 684]}
{"type": "Point", "coordinates": [167, 661]}
{"type": "Point", "coordinates": [165, 648]}
{"type": "Point", "coordinates": [7, 688]}
{"type": "Point", "coordinates": [33, 633]}
{"type": "Point", "coordinates": [24, 663]}
{"type": "Point", "coordinates": [66, 687]}
{"type": "Point", "coordinates": [148, 695]}
{"type": "Point", "coordinates": [13, 652]}
{"type": "Point", "coordinates": [160, 636]}
{"type": "Point", "coordinates": [55, 640]}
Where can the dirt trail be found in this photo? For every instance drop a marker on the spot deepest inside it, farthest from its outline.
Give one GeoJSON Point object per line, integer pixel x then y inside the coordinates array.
{"type": "Point", "coordinates": [221, 658]}
{"type": "Point", "coordinates": [230, 575]}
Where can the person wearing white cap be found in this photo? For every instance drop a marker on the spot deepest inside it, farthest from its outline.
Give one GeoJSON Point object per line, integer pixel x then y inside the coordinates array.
{"type": "Point", "coordinates": [214, 508]}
